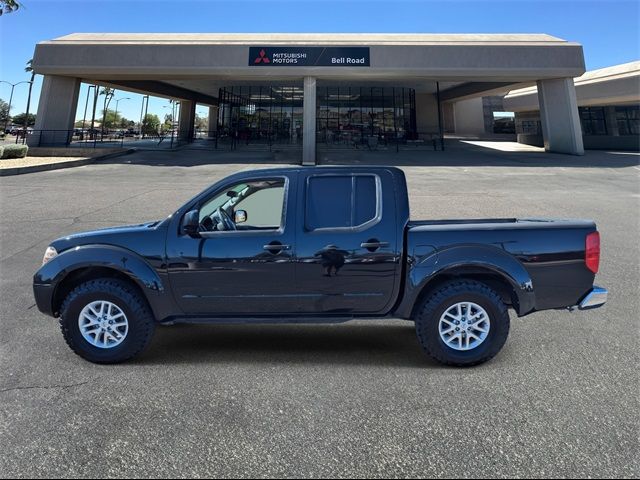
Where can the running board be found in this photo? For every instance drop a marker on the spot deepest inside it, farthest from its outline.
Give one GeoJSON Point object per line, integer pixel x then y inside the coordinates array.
{"type": "Point", "coordinates": [255, 320]}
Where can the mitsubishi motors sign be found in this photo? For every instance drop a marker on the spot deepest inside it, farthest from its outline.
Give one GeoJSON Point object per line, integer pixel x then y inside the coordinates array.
{"type": "Point", "coordinates": [309, 56]}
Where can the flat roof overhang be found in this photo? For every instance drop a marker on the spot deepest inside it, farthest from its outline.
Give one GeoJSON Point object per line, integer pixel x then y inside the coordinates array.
{"type": "Point", "coordinates": [616, 85]}
{"type": "Point", "coordinates": [199, 63]}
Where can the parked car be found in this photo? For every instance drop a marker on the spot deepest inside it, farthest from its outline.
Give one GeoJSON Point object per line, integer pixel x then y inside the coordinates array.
{"type": "Point", "coordinates": [326, 244]}
{"type": "Point", "coordinates": [21, 132]}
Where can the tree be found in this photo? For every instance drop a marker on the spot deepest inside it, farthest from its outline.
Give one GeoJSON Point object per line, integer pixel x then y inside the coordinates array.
{"type": "Point", "coordinates": [21, 119]}
{"type": "Point", "coordinates": [110, 119]}
{"type": "Point", "coordinates": [150, 124]}
{"type": "Point", "coordinates": [8, 6]}
{"type": "Point", "coordinates": [202, 123]}
{"type": "Point", "coordinates": [29, 69]}
{"type": "Point", "coordinates": [4, 112]}
{"type": "Point", "coordinates": [108, 95]}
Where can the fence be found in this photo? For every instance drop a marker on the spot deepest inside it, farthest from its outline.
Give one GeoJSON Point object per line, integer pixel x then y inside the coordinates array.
{"type": "Point", "coordinates": [229, 141]}
{"type": "Point", "coordinates": [224, 140]}
{"type": "Point", "coordinates": [97, 139]}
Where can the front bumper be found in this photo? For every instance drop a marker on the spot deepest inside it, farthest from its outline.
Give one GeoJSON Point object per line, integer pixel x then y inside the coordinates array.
{"type": "Point", "coordinates": [43, 294]}
{"type": "Point", "coordinates": [594, 299]}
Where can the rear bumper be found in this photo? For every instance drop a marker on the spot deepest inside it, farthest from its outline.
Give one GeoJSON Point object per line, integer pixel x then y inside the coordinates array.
{"type": "Point", "coordinates": [594, 299]}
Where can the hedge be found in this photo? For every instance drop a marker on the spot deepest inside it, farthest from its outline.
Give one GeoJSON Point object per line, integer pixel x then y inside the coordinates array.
{"type": "Point", "coordinates": [14, 151]}
{"type": "Point", "coordinates": [1, 150]}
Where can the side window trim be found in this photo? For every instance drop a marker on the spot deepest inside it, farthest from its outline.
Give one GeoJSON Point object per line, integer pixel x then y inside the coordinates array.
{"type": "Point", "coordinates": [357, 228]}
{"type": "Point", "coordinates": [276, 231]}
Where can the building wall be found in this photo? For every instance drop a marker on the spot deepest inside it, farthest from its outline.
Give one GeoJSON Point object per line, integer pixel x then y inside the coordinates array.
{"type": "Point", "coordinates": [604, 131]}
{"type": "Point", "coordinates": [469, 117]}
{"type": "Point", "coordinates": [426, 113]}
{"type": "Point", "coordinates": [493, 103]}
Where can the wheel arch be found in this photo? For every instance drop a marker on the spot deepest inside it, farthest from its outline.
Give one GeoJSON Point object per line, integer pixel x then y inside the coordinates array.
{"type": "Point", "coordinates": [487, 264]}
{"type": "Point", "coordinates": [494, 280]}
{"type": "Point", "coordinates": [85, 274]}
{"type": "Point", "coordinates": [89, 262]}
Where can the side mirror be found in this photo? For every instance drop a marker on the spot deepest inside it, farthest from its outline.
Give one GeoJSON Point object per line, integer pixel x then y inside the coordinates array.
{"type": "Point", "coordinates": [191, 223]}
{"type": "Point", "coordinates": [240, 216]}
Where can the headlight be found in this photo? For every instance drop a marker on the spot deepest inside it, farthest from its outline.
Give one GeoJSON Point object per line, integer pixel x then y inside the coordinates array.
{"type": "Point", "coordinates": [49, 254]}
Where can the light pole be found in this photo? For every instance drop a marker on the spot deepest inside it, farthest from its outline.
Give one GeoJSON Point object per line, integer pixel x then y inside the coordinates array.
{"type": "Point", "coordinates": [172, 105]}
{"type": "Point", "coordinates": [144, 99]}
{"type": "Point", "coordinates": [123, 98]}
{"type": "Point", "coordinates": [175, 103]}
{"type": "Point", "coordinates": [13, 85]}
{"type": "Point", "coordinates": [202, 116]}
{"type": "Point", "coordinates": [86, 104]}
{"type": "Point", "coordinates": [116, 118]}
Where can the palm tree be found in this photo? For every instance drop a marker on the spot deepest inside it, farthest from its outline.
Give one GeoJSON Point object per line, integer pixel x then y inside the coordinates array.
{"type": "Point", "coordinates": [29, 69]}
{"type": "Point", "coordinates": [8, 6]}
{"type": "Point", "coordinates": [108, 95]}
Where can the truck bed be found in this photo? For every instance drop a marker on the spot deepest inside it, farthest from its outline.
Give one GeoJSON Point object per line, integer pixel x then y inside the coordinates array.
{"type": "Point", "coordinates": [552, 251]}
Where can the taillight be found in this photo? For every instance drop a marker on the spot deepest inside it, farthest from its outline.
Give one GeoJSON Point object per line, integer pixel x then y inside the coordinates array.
{"type": "Point", "coordinates": [592, 252]}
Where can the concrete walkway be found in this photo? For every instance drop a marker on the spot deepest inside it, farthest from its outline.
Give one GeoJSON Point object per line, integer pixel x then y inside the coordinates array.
{"type": "Point", "coordinates": [456, 154]}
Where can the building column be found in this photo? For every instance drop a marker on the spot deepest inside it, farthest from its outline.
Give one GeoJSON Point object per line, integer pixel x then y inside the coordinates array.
{"type": "Point", "coordinates": [561, 129]}
{"type": "Point", "coordinates": [213, 121]}
{"type": "Point", "coordinates": [187, 120]}
{"type": "Point", "coordinates": [309, 122]}
{"type": "Point", "coordinates": [56, 111]}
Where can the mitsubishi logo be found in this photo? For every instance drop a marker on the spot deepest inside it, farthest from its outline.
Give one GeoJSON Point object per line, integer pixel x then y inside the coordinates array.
{"type": "Point", "coordinates": [262, 58]}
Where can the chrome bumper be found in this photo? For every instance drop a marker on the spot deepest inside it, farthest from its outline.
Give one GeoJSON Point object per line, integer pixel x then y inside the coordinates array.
{"type": "Point", "coordinates": [594, 299]}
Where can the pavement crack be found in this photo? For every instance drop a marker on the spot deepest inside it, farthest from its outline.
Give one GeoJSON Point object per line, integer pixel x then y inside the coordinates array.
{"type": "Point", "coordinates": [45, 387]}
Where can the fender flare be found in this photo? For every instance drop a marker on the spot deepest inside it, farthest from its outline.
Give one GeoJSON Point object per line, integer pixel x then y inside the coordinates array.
{"type": "Point", "coordinates": [120, 259]}
{"type": "Point", "coordinates": [470, 257]}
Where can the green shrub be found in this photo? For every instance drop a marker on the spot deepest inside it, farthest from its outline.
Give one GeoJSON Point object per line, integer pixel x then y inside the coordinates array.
{"type": "Point", "coordinates": [14, 151]}
{"type": "Point", "coordinates": [1, 150]}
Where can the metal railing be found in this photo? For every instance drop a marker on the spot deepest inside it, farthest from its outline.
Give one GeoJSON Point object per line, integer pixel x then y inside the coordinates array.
{"type": "Point", "coordinates": [95, 139]}
{"type": "Point", "coordinates": [388, 140]}
{"type": "Point", "coordinates": [226, 140]}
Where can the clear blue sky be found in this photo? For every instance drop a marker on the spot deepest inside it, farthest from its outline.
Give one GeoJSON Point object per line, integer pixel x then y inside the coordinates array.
{"type": "Point", "coordinates": [608, 29]}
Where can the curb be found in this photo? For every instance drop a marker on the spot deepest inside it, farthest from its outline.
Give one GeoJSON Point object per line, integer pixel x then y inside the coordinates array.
{"type": "Point", "coordinates": [5, 172]}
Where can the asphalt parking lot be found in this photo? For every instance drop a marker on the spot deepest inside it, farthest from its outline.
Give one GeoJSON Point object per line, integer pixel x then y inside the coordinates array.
{"type": "Point", "coordinates": [358, 399]}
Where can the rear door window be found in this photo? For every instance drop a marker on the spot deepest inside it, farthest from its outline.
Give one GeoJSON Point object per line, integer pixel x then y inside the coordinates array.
{"type": "Point", "coordinates": [342, 201]}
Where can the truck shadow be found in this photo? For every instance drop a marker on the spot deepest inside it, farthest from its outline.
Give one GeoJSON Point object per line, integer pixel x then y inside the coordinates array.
{"type": "Point", "coordinates": [343, 344]}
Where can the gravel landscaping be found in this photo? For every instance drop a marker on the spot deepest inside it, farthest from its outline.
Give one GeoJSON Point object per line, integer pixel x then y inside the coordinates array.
{"type": "Point", "coordinates": [35, 161]}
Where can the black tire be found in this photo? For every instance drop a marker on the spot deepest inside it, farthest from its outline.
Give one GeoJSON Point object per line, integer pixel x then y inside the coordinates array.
{"type": "Point", "coordinates": [428, 319]}
{"type": "Point", "coordinates": [126, 297]}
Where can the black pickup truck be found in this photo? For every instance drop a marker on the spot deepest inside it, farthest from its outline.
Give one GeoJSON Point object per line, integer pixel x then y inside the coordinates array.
{"type": "Point", "coordinates": [323, 244]}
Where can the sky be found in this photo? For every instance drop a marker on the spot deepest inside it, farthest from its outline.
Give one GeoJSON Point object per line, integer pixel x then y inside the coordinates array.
{"type": "Point", "coordinates": [607, 29]}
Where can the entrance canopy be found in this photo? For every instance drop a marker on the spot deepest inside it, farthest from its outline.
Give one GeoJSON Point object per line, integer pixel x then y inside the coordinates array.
{"type": "Point", "coordinates": [197, 67]}
{"type": "Point", "coordinates": [182, 61]}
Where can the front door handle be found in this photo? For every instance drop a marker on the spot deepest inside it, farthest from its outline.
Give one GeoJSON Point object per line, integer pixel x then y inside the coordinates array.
{"type": "Point", "coordinates": [372, 244]}
{"type": "Point", "coordinates": [275, 247]}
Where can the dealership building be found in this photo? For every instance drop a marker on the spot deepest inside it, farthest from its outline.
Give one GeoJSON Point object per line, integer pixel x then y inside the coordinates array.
{"type": "Point", "coordinates": [314, 89]}
{"type": "Point", "coordinates": [608, 107]}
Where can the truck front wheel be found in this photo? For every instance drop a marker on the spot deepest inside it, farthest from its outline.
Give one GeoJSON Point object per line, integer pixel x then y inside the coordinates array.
{"type": "Point", "coordinates": [106, 321]}
{"type": "Point", "coordinates": [462, 323]}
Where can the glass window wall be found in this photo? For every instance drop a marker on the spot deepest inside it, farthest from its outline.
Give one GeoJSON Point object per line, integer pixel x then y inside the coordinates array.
{"type": "Point", "coordinates": [344, 115]}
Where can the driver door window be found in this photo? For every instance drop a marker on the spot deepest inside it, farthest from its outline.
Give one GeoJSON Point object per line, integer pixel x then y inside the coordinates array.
{"type": "Point", "coordinates": [262, 202]}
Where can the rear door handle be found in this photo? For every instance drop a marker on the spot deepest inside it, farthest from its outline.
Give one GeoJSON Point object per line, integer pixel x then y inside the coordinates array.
{"type": "Point", "coordinates": [373, 244]}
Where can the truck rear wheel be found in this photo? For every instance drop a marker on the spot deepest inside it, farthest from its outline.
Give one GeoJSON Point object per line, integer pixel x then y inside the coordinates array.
{"type": "Point", "coordinates": [106, 321]}
{"type": "Point", "coordinates": [462, 323]}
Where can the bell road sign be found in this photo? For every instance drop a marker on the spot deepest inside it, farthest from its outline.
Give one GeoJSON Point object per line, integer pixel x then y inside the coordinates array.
{"type": "Point", "coordinates": [309, 56]}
